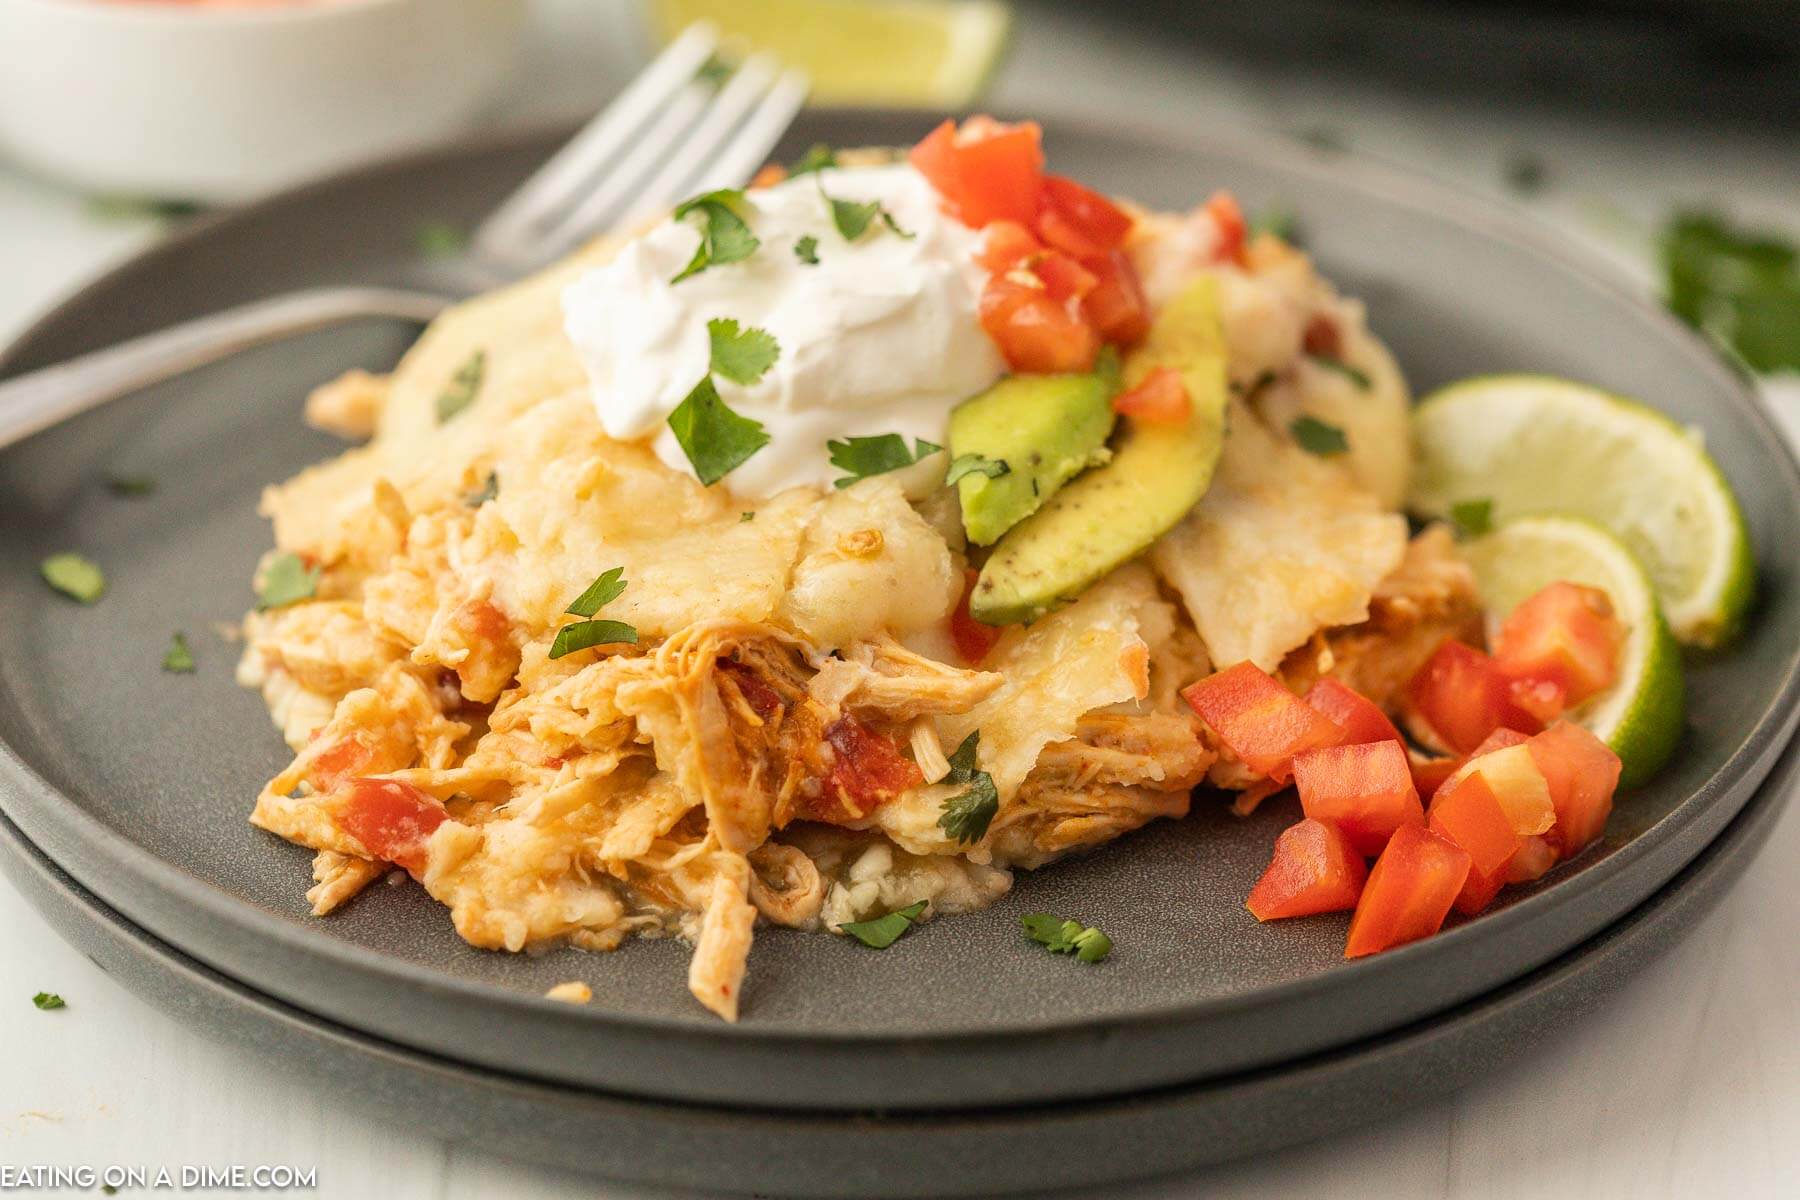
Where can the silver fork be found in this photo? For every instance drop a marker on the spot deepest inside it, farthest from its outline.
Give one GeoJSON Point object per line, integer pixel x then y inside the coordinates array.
{"type": "Point", "coordinates": [678, 129]}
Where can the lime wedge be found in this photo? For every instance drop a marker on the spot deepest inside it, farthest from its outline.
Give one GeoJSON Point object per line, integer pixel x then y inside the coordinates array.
{"type": "Point", "coordinates": [1640, 715]}
{"type": "Point", "coordinates": [933, 53]}
{"type": "Point", "coordinates": [1514, 445]}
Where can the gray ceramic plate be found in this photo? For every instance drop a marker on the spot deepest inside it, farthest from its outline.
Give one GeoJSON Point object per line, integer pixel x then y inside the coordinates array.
{"type": "Point", "coordinates": [137, 783]}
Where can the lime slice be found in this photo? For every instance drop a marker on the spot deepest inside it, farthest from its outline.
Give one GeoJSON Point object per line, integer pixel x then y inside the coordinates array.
{"type": "Point", "coordinates": [1640, 715]}
{"type": "Point", "coordinates": [933, 53]}
{"type": "Point", "coordinates": [1514, 445]}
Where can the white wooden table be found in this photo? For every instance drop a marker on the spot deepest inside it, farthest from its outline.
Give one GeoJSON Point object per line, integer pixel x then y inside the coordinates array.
{"type": "Point", "coordinates": [1685, 1085]}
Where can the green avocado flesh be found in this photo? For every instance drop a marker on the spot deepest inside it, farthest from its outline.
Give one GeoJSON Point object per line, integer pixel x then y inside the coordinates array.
{"type": "Point", "coordinates": [1047, 429]}
{"type": "Point", "coordinates": [1111, 514]}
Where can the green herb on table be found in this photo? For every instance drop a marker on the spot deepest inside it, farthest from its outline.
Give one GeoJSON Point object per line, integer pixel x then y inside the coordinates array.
{"type": "Point", "coordinates": [741, 355]}
{"type": "Point", "coordinates": [1353, 374]}
{"type": "Point", "coordinates": [74, 576]}
{"type": "Point", "coordinates": [806, 249]}
{"type": "Point", "coordinates": [1318, 437]}
{"type": "Point", "coordinates": [440, 239]}
{"type": "Point", "coordinates": [584, 635]}
{"type": "Point", "coordinates": [877, 455]}
{"type": "Point", "coordinates": [725, 237]}
{"type": "Point", "coordinates": [1278, 221]}
{"type": "Point", "coordinates": [853, 217]}
{"type": "Point", "coordinates": [463, 388]}
{"type": "Point", "coordinates": [48, 1001]}
{"type": "Point", "coordinates": [975, 464]}
{"type": "Point", "coordinates": [878, 933]}
{"type": "Point", "coordinates": [131, 486]}
{"type": "Point", "coordinates": [178, 659]}
{"type": "Point", "coordinates": [1473, 517]}
{"type": "Point", "coordinates": [138, 208]}
{"type": "Point", "coordinates": [715, 70]}
{"type": "Point", "coordinates": [715, 439]}
{"type": "Point", "coordinates": [966, 816]}
{"type": "Point", "coordinates": [1739, 286]}
{"type": "Point", "coordinates": [1067, 937]}
{"type": "Point", "coordinates": [286, 580]}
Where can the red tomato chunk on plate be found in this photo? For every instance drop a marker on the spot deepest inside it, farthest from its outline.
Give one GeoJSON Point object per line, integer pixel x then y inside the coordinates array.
{"type": "Point", "coordinates": [1315, 870]}
{"type": "Point", "coordinates": [393, 820]}
{"type": "Point", "coordinates": [1409, 891]}
{"type": "Point", "coordinates": [1581, 773]}
{"type": "Point", "coordinates": [1261, 722]}
{"type": "Point", "coordinates": [1362, 720]}
{"type": "Point", "coordinates": [986, 170]}
{"type": "Point", "coordinates": [1366, 791]}
{"type": "Point", "coordinates": [1566, 636]}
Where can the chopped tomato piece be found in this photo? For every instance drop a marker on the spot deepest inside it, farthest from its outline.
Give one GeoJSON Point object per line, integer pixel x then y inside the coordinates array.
{"type": "Point", "coordinates": [973, 639]}
{"type": "Point", "coordinates": [1520, 788]}
{"type": "Point", "coordinates": [1262, 722]}
{"type": "Point", "coordinates": [1581, 772]}
{"type": "Point", "coordinates": [1315, 870]}
{"type": "Point", "coordinates": [1117, 306]}
{"type": "Point", "coordinates": [1036, 333]}
{"type": "Point", "coordinates": [392, 820]}
{"type": "Point", "coordinates": [1463, 697]}
{"type": "Point", "coordinates": [1478, 891]}
{"type": "Point", "coordinates": [1162, 397]}
{"type": "Point", "coordinates": [1533, 861]}
{"type": "Point", "coordinates": [1366, 791]}
{"type": "Point", "coordinates": [1430, 774]}
{"type": "Point", "coordinates": [1080, 220]}
{"type": "Point", "coordinates": [762, 698]}
{"type": "Point", "coordinates": [338, 762]}
{"type": "Point", "coordinates": [1234, 231]}
{"type": "Point", "coordinates": [1565, 635]}
{"type": "Point", "coordinates": [985, 171]}
{"type": "Point", "coordinates": [867, 770]}
{"type": "Point", "coordinates": [1409, 891]}
{"type": "Point", "coordinates": [1467, 812]}
{"type": "Point", "coordinates": [1361, 719]}
{"type": "Point", "coordinates": [1006, 244]}
{"type": "Point", "coordinates": [1540, 699]}
{"type": "Point", "coordinates": [1064, 278]}
{"type": "Point", "coordinates": [1500, 739]}
{"type": "Point", "coordinates": [1323, 337]}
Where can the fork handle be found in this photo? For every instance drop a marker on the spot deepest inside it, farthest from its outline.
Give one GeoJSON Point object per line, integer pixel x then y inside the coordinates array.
{"type": "Point", "coordinates": [38, 399]}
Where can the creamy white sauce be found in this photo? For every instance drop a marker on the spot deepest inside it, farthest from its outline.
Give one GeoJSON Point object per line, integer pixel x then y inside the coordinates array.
{"type": "Point", "coordinates": [881, 336]}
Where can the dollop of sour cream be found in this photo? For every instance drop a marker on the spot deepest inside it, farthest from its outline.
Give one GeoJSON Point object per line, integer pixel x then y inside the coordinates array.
{"type": "Point", "coordinates": [880, 336]}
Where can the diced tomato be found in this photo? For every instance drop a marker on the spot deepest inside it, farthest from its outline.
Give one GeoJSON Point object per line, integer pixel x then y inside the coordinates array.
{"type": "Point", "coordinates": [867, 770]}
{"type": "Point", "coordinates": [1519, 787]}
{"type": "Point", "coordinates": [1117, 306]}
{"type": "Point", "coordinates": [1262, 722]}
{"type": "Point", "coordinates": [1064, 278]}
{"type": "Point", "coordinates": [1409, 891]}
{"type": "Point", "coordinates": [973, 639]}
{"type": "Point", "coordinates": [1323, 337]}
{"type": "Point", "coordinates": [1036, 333]}
{"type": "Point", "coordinates": [1581, 772]}
{"type": "Point", "coordinates": [985, 171]}
{"type": "Point", "coordinates": [336, 763]}
{"type": "Point", "coordinates": [392, 820]}
{"type": "Point", "coordinates": [1430, 774]}
{"type": "Point", "coordinates": [1540, 699]}
{"type": "Point", "coordinates": [1315, 870]}
{"type": "Point", "coordinates": [1080, 220]}
{"type": "Point", "coordinates": [1365, 790]}
{"type": "Point", "coordinates": [1006, 244]}
{"type": "Point", "coordinates": [768, 175]}
{"type": "Point", "coordinates": [1565, 635]}
{"type": "Point", "coordinates": [1361, 720]}
{"type": "Point", "coordinates": [1478, 891]}
{"type": "Point", "coordinates": [1467, 812]}
{"type": "Point", "coordinates": [1463, 697]}
{"type": "Point", "coordinates": [1500, 739]}
{"type": "Point", "coordinates": [1162, 398]}
{"type": "Point", "coordinates": [1533, 861]}
{"type": "Point", "coordinates": [1234, 231]}
{"type": "Point", "coordinates": [762, 698]}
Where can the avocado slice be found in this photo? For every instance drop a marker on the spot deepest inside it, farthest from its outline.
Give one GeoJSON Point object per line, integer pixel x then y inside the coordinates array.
{"type": "Point", "coordinates": [1157, 473]}
{"type": "Point", "coordinates": [1045, 429]}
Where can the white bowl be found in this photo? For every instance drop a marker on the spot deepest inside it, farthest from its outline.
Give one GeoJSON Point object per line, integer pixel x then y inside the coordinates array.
{"type": "Point", "coordinates": [218, 102]}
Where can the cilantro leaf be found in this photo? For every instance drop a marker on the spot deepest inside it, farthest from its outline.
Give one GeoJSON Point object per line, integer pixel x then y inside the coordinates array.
{"type": "Point", "coordinates": [817, 158]}
{"type": "Point", "coordinates": [716, 440]}
{"type": "Point", "coordinates": [741, 355]}
{"type": "Point", "coordinates": [130, 485]}
{"type": "Point", "coordinates": [1740, 286]}
{"type": "Point", "coordinates": [1353, 374]}
{"type": "Point", "coordinates": [1278, 221]}
{"type": "Point", "coordinates": [47, 1001]}
{"type": "Point", "coordinates": [746, 516]}
{"type": "Point", "coordinates": [1318, 437]}
{"type": "Point", "coordinates": [179, 658]}
{"type": "Point", "coordinates": [966, 817]}
{"type": "Point", "coordinates": [604, 590]}
{"type": "Point", "coordinates": [287, 579]}
{"type": "Point", "coordinates": [975, 464]}
{"type": "Point", "coordinates": [806, 250]}
{"type": "Point", "coordinates": [877, 455]}
{"type": "Point", "coordinates": [488, 491]}
{"type": "Point", "coordinates": [878, 933]}
{"type": "Point", "coordinates": [715, 70]}
{"type": "Point", "coordinates": [584, 635]}
{"type": "Point", "coordinates": [1066, 937]}
{"type": "Point", "coordinates": [724, 235]}
{"type": "Point", "coordinates": [853, 217]}
{"type": "Point", "coordinates": [1473, 517]}
{"type": "Point", "coordinates": [463, 387]}
{"type": "Point", "coordinates": [440, 239]}
{"type": "Point", "coordinates": [74, 576]}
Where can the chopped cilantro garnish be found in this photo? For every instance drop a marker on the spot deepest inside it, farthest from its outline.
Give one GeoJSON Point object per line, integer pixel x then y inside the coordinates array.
{"type": "Point", "coordinates": [178, 659]}
{"type": "Point", "coordinates": [74, 576]}
{"type": "Point", "coordinates": [1525, 172]}
{"type": "Point", "coordinates": [286, 580]}
{"type": "Point", "coordinates": [488, 491]}
{"type": "Point", "coordinates": [974, 464]}
{"type": "Point", "coordinates": [806, 250]}
{"type": "Point", "coordinates": [440, 239]}
{"type": "Point", "coordinates": [130, 485]}
{"type": "Point", "coordinates": [1255, 387]}
{"type": "Point", "coordinates": [746, 516]}
{"type": "Point", "coordinates": [603, 591]}
{"type": "Point", "coordinates": [716, 440]}
{"type": "Point", "coordinates": [1317, 437]}
{"type": "Point", "coordinates": [741, 355]}
{"type": "Point", "coordinates": [116, 207]}
{"type": "Point", "coordinates": [1067, 937]}
{"type": "Point", "coordinates": [1740, 286]}
{"type": "Point", "coordinates": [966, 816]}
{"type": "Point", "coordinates": [724, 235]}
{"type": "Point", "coordinates": [1353, 374]}
{"type": "Point", "coordinates": [46, 1001]}
{"type": "Point", "coordinates": [714, 70]}
{"type": "Point", "coordinates": [1278, 221]}
{"type": "Point", "coordinates": [463, 387]}
{"type": "Point", "coordinates": [583, 635]}
{"type": "Point", "coordinates": [878, 933]}
{"type": "Point", "coordinates": [817, 158]}
{"type": "Point", "coordinates": [866, 456]}
{"type": "Point", "coordinates": [1473, 517]}
{"type": "Point", "coordinates": [853, 217]}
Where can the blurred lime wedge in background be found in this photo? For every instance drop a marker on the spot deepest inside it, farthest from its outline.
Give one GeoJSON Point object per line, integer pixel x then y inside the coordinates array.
{"type": "Point", "coordinates": [932, 53]}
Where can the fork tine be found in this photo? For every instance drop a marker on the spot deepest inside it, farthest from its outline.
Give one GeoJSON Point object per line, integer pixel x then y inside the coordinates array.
{"type": "Point", "coordinates": [751, 147]}
{"type": "Point", "coordinates": [508, 231]}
